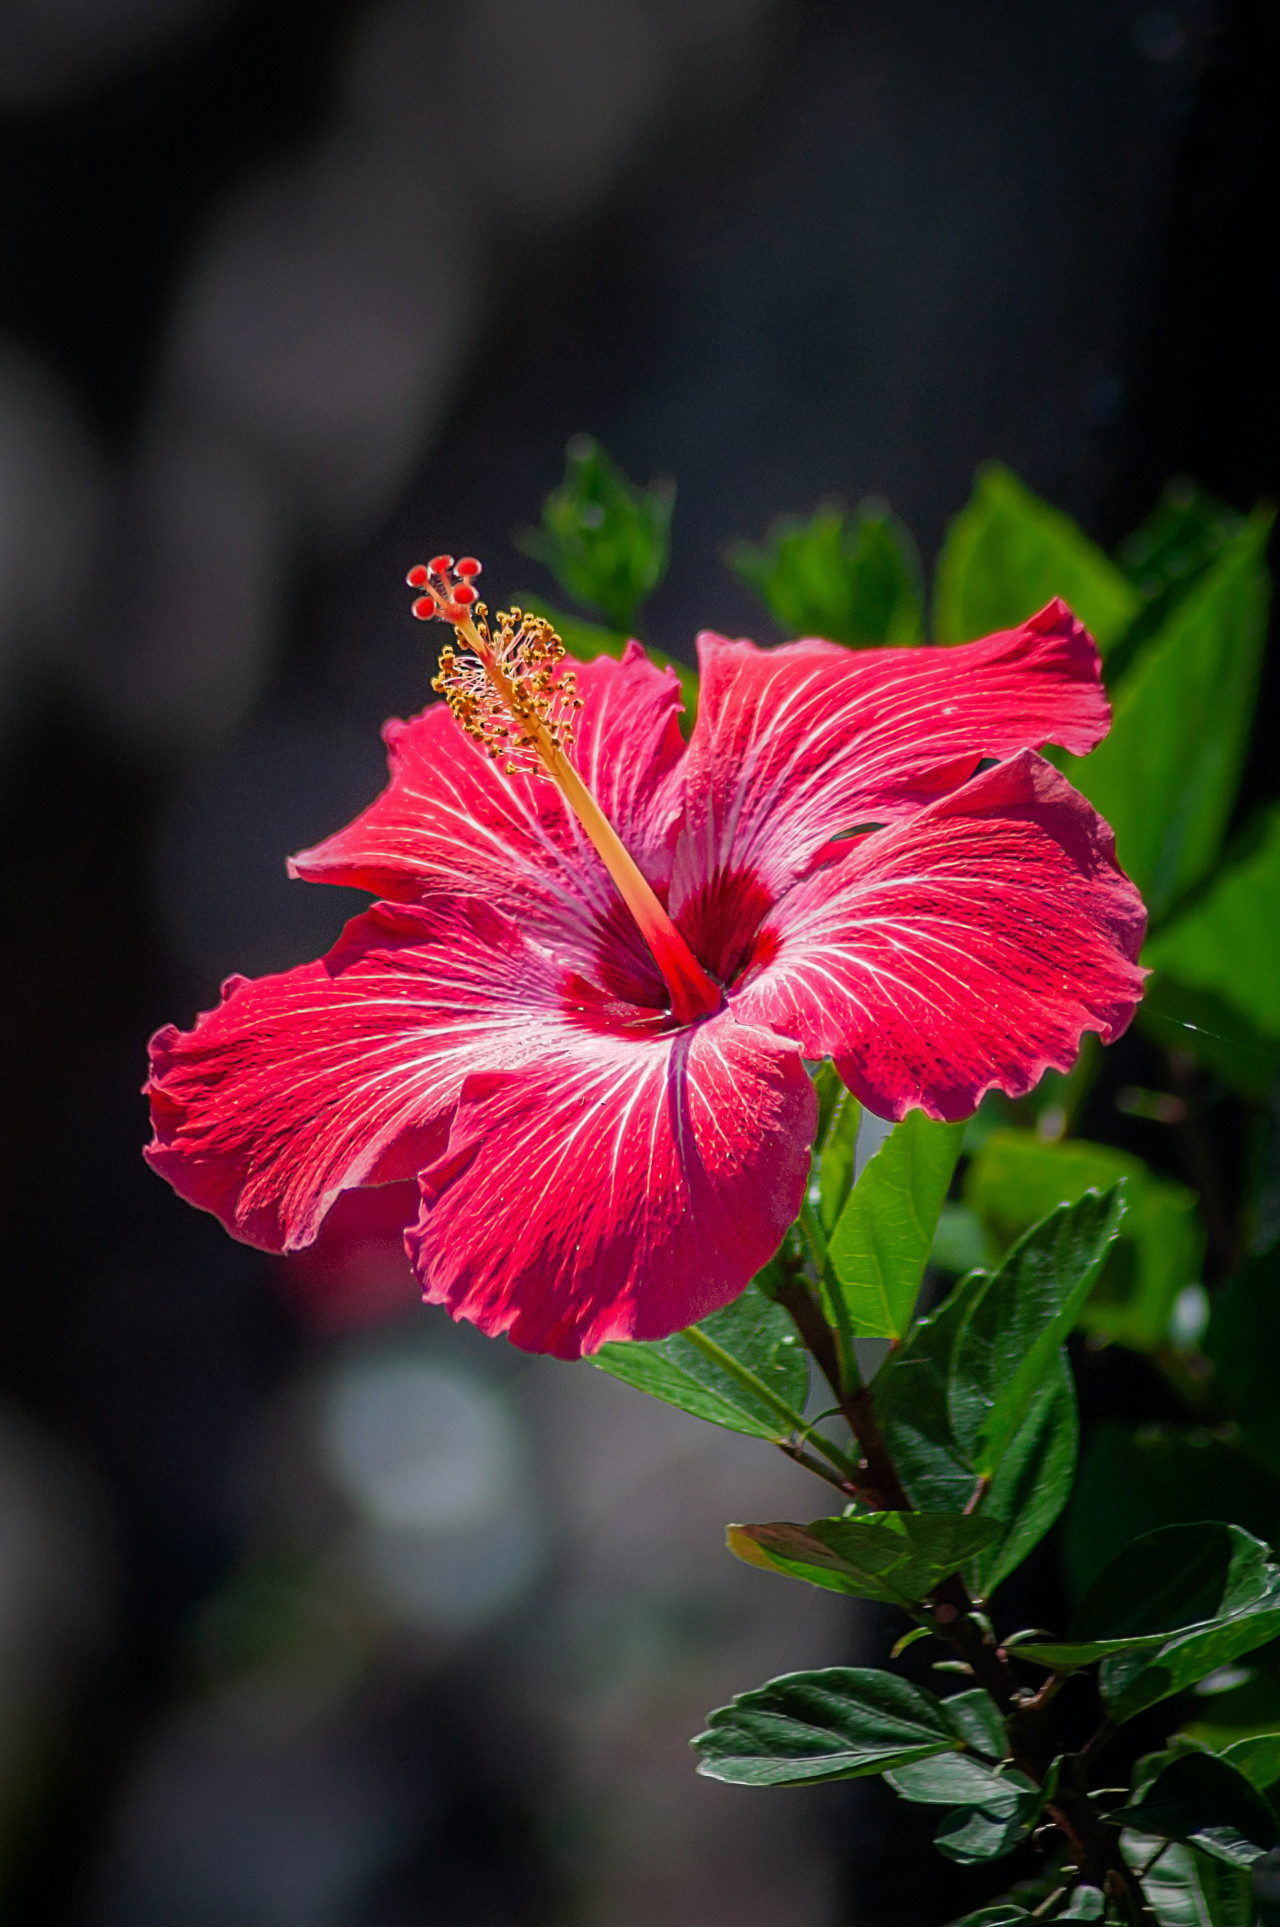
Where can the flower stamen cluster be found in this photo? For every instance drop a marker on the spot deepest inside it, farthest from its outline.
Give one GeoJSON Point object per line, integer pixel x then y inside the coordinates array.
{"type": "Point", "coordinates": [508, 692]}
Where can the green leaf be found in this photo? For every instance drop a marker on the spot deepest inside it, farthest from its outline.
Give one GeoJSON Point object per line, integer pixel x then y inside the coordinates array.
{"type": "Point", "coordinates": [958, 1779]}
{"type": "Point", "coordinates": [1164, 1583]}
{"type": "Point", "coordinates": [1175, 1577]}
{"type": "Point", "coordinates": [1171, 1608]}
{"type": "Point", "coordinates": [1166, 776]}
{"type": "Point", "coordinates": [1241, 1341]}
{"type": "Point", "coordinates": [1188, 1889]}
{"type": "Point", "coordinates": [1001, 1913]}
{"type": "Point", "coordinates": [1130, 1682]}
{"type": "Point", "coordinates": [1013, 1180]}
{"type": "Point", "coordinates": [604, 539]}
{"type": "Point", "coordinates": [843, 1723]}
{"type": "Point", "coordinates": [1203, 1801]}
{"type": "Point", "coordinates": [895, 1557]}
{"type": "Point", "coordinates": [1008, 553]}
{"type": "Point", "coordinates": [1257, 1757]}
{"type": "Point", "coordinates": [910, 1394]}
{"type": "Point", "coordinates": [1032, 1482]}
{"type": "Point", "coordinates": [992, 1827]}
{"type": "Point", "coordinates": [881, 1243]}
{"type": "Point", "coordinates": [1014, 1330]}
{"type": "Point", "coordinates": [979, 1722]}
{"type": "Point", "coordinates": [853, 579]}
{"type": "Point", "coordinates": [586, 640]}
{"type": "Point", "coordinates": [1135, 1478]}
{"type": "Point", "coordinates": [837, 1161]}
{"type": "Point", "coordinates": [1086, 1903]}
{"type": "Point", "coordinates": [1227, 941]}
{"type": "Point", "coordinates": [756, 1333]}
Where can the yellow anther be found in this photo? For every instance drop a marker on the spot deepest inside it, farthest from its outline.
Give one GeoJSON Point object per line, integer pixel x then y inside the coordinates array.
{"type": "Point", "coordinates": [510, 694]}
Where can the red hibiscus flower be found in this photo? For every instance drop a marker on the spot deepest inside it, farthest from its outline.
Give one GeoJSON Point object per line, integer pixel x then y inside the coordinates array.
{"type": "Point", "coordinates": [579, 1013]}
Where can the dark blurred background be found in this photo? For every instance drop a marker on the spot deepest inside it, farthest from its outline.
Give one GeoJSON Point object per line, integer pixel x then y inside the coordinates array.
{"type": "Point", "coordinates": [316, 1611]}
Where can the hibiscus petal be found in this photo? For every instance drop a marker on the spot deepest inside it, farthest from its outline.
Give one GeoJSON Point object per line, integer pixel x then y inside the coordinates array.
{"type": "Point", "coordinates": [451, 820]}
{"type": "Point", "coordinates": [966, 948]}
{"type": "Point", "coordinates": [620, 1188]}
{"type": "Point", "coordinates": [345, 1071]}
{"type": "Point", "coordinates": [793, 746]}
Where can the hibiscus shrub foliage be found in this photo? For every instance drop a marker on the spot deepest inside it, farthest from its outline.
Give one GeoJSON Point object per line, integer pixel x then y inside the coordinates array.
{"type": "Point", "coordinates": [636, 1012]}
{"type": "Point", "coordinates": [928, 1292]}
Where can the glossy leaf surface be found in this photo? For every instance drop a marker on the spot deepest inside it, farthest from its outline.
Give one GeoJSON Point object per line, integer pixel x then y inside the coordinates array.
{"type": "Point", "coordinates": [979, 1722]}
{"type": "Point", "coordinates": [958, 1779]}
{"type": "Point", "coordinates": [1257, 1757]}
{"type": "Point", "coordinates": [756, 1333]}
{"type": "Point", "coordinates": [1186, 1888]}
{"type": "Point", "coordinates": [839, 1724]}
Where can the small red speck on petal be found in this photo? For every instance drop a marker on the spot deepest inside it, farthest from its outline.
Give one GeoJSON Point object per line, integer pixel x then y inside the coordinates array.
{"type": "Point", "coordinates": [417, 577]}
{"type": "Point", "coordinates": [464, 593]}
{"type": "Point", "coordinates": [425, 607]}
{"type": "Point", "coordinates": [468, 566]}
{"type": "Point", "coordinates": [441, 564]}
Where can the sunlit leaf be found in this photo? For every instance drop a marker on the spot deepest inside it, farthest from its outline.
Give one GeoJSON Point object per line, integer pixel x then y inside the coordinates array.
{"type": "Point", "coordinates": [1257, 1757]}
{"type": "Point", "coordinates": [881, 1243]}
{"type": "Point", "coordinates": [1008, 553]}
{"type": "Point", "coordinates": [895, 1557]}
{"type": "Point", "coordinates": [753, 1331]}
